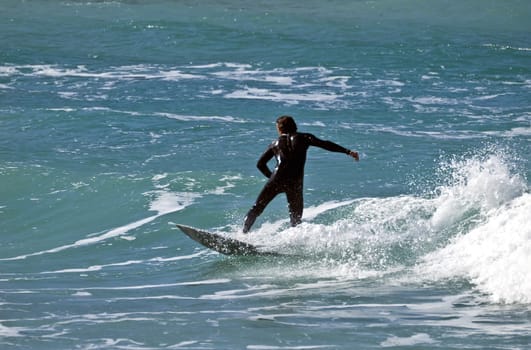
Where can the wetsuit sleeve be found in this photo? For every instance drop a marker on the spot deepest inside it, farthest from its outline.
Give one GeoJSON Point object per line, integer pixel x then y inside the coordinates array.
{"type": "Point", "coordinates": [327, 145]}
{"type": "Point", "coordinates": [262, 162]}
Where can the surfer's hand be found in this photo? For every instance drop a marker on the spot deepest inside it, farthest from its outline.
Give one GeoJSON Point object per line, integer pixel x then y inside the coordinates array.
{"type": "Point", "coordinates": [354, 155]}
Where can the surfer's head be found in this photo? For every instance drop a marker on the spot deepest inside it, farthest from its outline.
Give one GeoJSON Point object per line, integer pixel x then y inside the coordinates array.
{"type": "Point", "coordinates": [286, 125]}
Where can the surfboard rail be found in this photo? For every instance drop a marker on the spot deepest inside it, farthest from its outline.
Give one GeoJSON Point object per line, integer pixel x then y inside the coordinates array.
{"type": "Point", "coordinates": [222, 244]}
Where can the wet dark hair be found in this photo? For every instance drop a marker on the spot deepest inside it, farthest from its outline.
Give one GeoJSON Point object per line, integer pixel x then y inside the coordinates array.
{"type": "Point", "coordinates": [286, 124]}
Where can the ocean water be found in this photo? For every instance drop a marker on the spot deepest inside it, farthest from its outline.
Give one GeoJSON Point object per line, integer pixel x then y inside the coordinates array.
{"type": "Point", "coordinates": [119, 119]}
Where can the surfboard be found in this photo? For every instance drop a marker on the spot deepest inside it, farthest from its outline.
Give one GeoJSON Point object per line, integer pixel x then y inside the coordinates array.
{"type": "Point", "coordinates": [223, 245]}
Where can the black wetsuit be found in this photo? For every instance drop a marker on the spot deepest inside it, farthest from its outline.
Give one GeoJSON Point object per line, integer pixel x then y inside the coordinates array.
{"type": "Point", "coordinates": [290, 153]}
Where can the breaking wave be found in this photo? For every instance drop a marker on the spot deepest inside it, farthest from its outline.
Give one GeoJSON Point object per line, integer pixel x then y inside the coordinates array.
{"type": "Point", "coordinates": [474, 227]}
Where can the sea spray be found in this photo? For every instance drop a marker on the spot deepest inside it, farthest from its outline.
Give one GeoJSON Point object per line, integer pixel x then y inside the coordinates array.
{"type": "Point", "coordinates": [423, 236]}
{"type": "Point", "coordinates": [476, 183]}
{"type": "Point", "coordinates": [495, 255]}
{"type": "Point", "coordinates": [488, 208]}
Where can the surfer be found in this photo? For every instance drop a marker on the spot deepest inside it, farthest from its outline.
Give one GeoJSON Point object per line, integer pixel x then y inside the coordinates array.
{"type": "Point", "coordinates": [290, 152]}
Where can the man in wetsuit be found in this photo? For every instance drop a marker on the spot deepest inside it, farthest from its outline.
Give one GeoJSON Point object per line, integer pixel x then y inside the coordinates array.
{"type": "Point", "coordinates": [290, 152]}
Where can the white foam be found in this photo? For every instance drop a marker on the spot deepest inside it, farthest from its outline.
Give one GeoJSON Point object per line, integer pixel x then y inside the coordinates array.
{"type": "Point", "coordinates": [507, 47]}
{"type": "Point", "coordinates": [514, 132]}
{"type": "Point", "coordinates": [207, 66]}
{"type": "Point", "coordinates": [433, 100]}
{"type": "Point", "coordinates": [93, 268]}
{"type": "Point", "coordinates": [122, 72]}
{"type": "Point", "coordinates": [357, 244]}
{"type": "Point", "coordinates": [10, 331]}
{"type": "Point", "coordinates": [419, 338]}
{"type": "Point", "coordinates": [167, 202]}
{"type": "Point", "coordinates": [312, 212]}
{"type": "Point", "coordinates": [495, 255]}
{"type": "Point", "coordinates": [198, 118]}
{"type": "Point", "coordinates": [176, 258]}
{"type": "Point", "coordinates": [336, 82]}
{"type": "Point", "coordinates": [229, 183]}
{"type": "Point", "coordinates": [8, 71]}
{"type": "Point", "coordinates": [256, 75]}
{"type": "Point", "coordinates": [489, 97]}
{"type": "Point", "coordinates": [67, 94]}
{"type": "Point", "coordinates": [159, 177]}
{"type": "Point", "coordinates": [475, 184]}
{"type": "Point", "coordinates": [488, 208]}
{"type": "Point", "coordinates": [165, 285]}
{"type": "Point", "coordinates": [289, 98]}
{"type": "Point", "coordinates": [387, 82]}
{"type": "Point", "coordinates": [300, 347]}
{"type": "Point", "coordinates": [484, 205]}
{"type": "Point", "coordinates": [125, 263]}
{"type": "Point", "coordinates": [81, 294]}
{"type": "Point", "coordinates": [222, 64]}
{"type": "Point", "coordinates": [315, 123]}
{"type": "Point", "coordinates": [406, 131]}
{"type": "Point", "coordinates": [63, 109]}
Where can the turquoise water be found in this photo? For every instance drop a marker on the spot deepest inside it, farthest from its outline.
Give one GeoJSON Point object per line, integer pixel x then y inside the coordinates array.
{"type": "Point", "coordinates": [119, 119]}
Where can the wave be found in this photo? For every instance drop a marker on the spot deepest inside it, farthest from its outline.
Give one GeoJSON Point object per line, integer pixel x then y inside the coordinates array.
{"type": "Point", "coordinates": [180, 117]}
{"type": "Point", "coordinates": [276, 96]}
{"type": "Point", "coordinates": [239, 81]}
{"type": "Point", "coordinates": [474, 226]}
{"type": "Point", "coordinates": [338, 88]}
{"type": "Point", "coordinates": [507, 47]}
{"type": "Point", "coordinates": [495, 255]}
{"type": "Point", "coordinates": [136, 72]}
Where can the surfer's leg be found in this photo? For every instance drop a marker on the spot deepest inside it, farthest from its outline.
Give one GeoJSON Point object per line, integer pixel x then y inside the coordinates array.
{"type": "Point", "coordinates": [295, 204]}
{"type": "Point", "coordinates": [268, 193]}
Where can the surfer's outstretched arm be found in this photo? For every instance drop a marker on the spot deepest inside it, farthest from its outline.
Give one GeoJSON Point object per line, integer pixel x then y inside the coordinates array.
{"type": "Point", "coordinates": [332, 147]}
